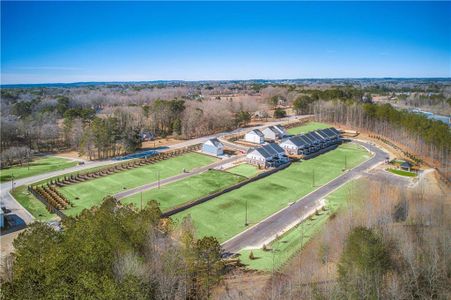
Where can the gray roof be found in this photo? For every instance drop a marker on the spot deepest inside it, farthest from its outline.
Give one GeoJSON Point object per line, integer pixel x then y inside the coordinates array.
{"type": "Point", "coordinates": [334, 130]}
{"type": "Point", "coordinates": [257, 131]}
{"type": "Point", "coordinates": [298, 141]}
{"type": "Point", "coordinates": [406, 165]}
{"type": "Point", "coordinates": [270, 150]}
{"type": "Point", "coordinates": [306, 139]}
{"type": "Point", "coordinates": [312, 137]}
{"type": "Point", "coordinates": [215, 142]}
{"type": "Point", "coordinates": [324, 134]}
{"type": "Point", "coordinates": [318, 136]}
{"type": "Point", "coordinates": [273, 129]}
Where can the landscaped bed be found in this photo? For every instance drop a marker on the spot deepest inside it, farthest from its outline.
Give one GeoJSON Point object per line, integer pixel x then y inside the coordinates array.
{"type": "Point", "coordinates": [186, 190]}
{"type": "Point", "coordinates": [245, 170]}
{"type": "Point", "coordinates": [224, 216]}
{"type": "Point", "coordinates": [92, 192]}
{"type": "Point", "coordinates": [292, 241]}
{"type": "Point", "coordinates": [36, 167]}
{"type": "Point", "coordinates": [402, 173]}
{"type": "Point", "coordinates": [310, 126]}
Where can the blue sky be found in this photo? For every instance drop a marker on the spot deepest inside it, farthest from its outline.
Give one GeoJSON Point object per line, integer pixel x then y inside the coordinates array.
{"type": "Point", "coordinates": [119, 41]}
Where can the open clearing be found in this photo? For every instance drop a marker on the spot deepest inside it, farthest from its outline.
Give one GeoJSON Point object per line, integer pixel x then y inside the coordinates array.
{"type": "Point", "coordinates": [92, 192]}
{"type": "Point", "coordinates": [186, 190]}
{"type": "Point", "coordinates": [245, 170]}
{"type": "Point", "coordinates": [224, 216]}
{"type": "Point", "coordinates": [292, 241]}
{"type": "Point", "coordinates": [36, 167]}
{"type": "Point", "coordinates": [307, 127]}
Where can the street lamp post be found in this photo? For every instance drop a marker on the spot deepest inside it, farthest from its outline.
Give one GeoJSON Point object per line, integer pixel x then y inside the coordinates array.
{"type": "Point", "coordinates": [245, 218]}
{"type": "Point", "coordinates": [141, 200]}
{"type": "Point", "coordinates": [158, 178]}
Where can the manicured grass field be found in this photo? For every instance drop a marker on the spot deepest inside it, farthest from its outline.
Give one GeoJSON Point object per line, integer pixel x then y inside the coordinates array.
{"type": "Point", "coordinates": [402, 173]}
{"type": "Point", "coordinates": [292, 241]}
{"type": "Point", "coordinates": [92, 192]}
{"type": "Point", "coordinates": [186, 190]}
{"type": "Point", "coordinates": [37, 166]}
{"type": "Point", "coordinates": [245, 170]}
{"type": "Point", "coordinates": [34, 206]}
{"type": "Point", "coordinates": [224, 216]}
{"type": "Point", "coordinates": [307, 127]}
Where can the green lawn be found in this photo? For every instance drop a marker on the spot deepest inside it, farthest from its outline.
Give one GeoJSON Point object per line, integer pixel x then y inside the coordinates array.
{"type": "Point", "coordinates": [37, 166]}
{"type": "Point", "coordinates": [310, 126]}
{"type": "Point", "coordinates": [245, 170]}
{"type": "Point", "coordinates": [92, 192]}
{"type": "Point", "coordinates": [402, 173]}
{"type": "Point", "coordinates": [292, 241]}
{"type": "Point", "coordinates": [186, 190]}
{"type": "Point", "coordinates": [33, 205]}
{"type": "Point", "coordinates": [224, 216]}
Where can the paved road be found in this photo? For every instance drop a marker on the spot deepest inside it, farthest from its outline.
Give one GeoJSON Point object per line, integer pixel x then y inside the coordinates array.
{"type": "Point", "coordinates": [23, 216]}
{"type": "Point", "coordinates": [175, 178]}
{"type": "Point", "coordinates": [266, 230]}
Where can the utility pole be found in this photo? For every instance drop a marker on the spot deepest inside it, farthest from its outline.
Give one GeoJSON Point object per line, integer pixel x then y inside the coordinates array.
{"type": "Point", "coordinates": [313, 178]}
{"type": "Point", "coordinates": [141, 200]}
{"type": "Point", "coordinates": [245, 218]}
{"type": "Point", "coordinates": [158, 174]}
{"type": "Point", "coordinates": [12, 181]}
{"type": "Point", "coordinates": [346, 162]}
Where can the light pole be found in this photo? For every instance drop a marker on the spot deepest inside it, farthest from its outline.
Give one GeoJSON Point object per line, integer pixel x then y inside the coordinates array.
{"type": "Point", "coordinates": [141, 200]}
{"type": "Point", "coordinates": [346, 162]}
{"type": "Point", "coordinates": [313, 178]}
{"type": "Point", "coordinates": [12, 182]}
{"type": "Point", "coordinates": [245, 218]}
{"type": "Point", "coordinates": [158, 174]}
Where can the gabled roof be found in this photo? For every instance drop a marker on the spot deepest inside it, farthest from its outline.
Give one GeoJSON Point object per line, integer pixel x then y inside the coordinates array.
{"type": "Point", "coordinates": [298, 141]}
{"type": "Point", "coordinates": [318, 136]}
{"type": "Point", "coordinates": [324, 134]}
{"type": "Point", "coordinates": [306, 139]}
{"type": "Point", "coordinates": [312, 137]}
{"type": "Point", "coordinates": [257, 132]}
{"type": "Point", "coordinates": [273, 129]}
{"type": "Point", "coordinates": [269, 150]}
{"type": "Point", "coordinates": [406, 165]}
{"type": "Point", "coordinates": [334, 130]}
{"type": "Point", "coordinates": [280, 128]}
{"type": "Point", "coordinates": [215, 142]}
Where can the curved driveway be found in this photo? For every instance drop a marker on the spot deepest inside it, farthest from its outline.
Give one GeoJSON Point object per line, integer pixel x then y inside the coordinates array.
{"type": "Point", "coordinates": [279, 222]}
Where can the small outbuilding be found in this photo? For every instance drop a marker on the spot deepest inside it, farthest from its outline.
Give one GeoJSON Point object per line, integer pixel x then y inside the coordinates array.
{"type": "Point", "coordinates": [406, 166]}
{"type": "Point", "coordinates": [213, 147]}
{"type": "Point", "coordinates": [255, 136]}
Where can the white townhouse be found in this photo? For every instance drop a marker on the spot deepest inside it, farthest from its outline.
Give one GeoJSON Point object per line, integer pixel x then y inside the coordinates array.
{"type": "Point", "coordinates": [255, 136]}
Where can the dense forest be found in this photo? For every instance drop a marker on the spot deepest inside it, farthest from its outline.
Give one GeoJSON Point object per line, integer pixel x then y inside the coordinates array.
{"type": "Point", "coordinates": [102, 121]}
{"type": "Point", "coordinates": [113, 252]}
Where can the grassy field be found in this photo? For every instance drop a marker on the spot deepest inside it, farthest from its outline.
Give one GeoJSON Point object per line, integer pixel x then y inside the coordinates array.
{"type": "Point", "coordinates": [307, 127]}
{"type": "Point", "coordinates": [223, 217]}
{"type": "Point", "coordinates": [37, 166]}
{"type": "Point", "coordinates": [92, 192]}
{"type": "Point", "coordinates": [34, 206]}
{"type": "Point", "coordinates": [186, 190]}
{"type": "Point", "coordinates": [245, 170]}
{"type": "Point", "coordinates": [402, 173]}
{"type": "Point", "coordinates": [292, 241]}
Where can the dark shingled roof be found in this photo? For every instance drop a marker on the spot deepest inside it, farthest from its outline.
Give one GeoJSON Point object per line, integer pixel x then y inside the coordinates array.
{"type": "Point", "coordinates": [270, 150]}
{"type": "Point", "coordinates": [215, 142]}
